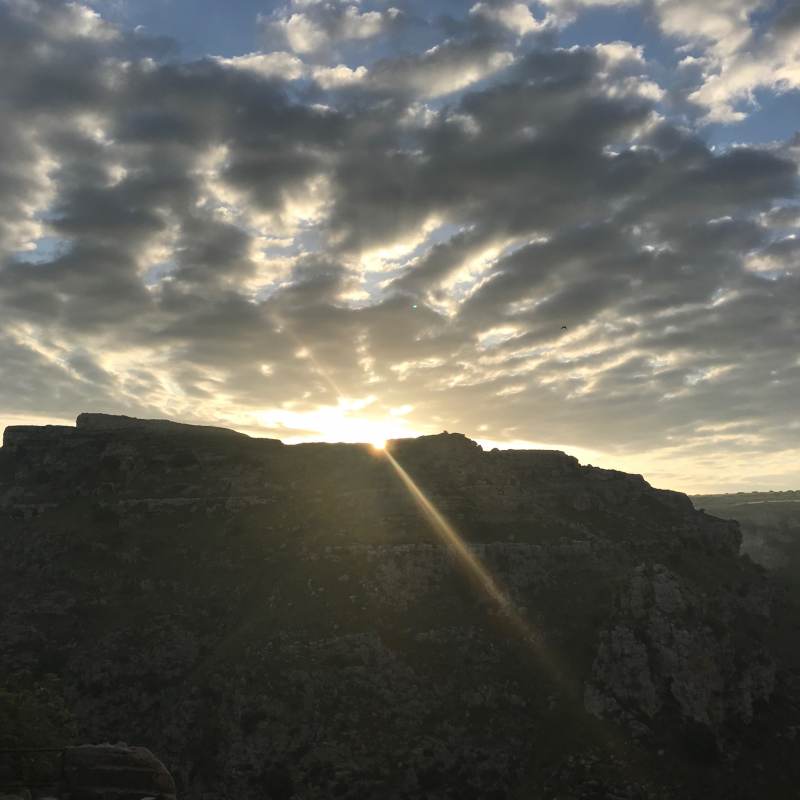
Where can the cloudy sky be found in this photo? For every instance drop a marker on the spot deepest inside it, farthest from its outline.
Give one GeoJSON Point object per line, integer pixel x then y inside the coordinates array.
{"type": "Point", "coordinates": [344, 220]}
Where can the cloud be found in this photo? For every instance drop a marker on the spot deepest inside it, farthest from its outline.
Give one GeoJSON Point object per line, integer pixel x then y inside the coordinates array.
{"type": "Point", "coordinates": [517, 17]}
{"type": "Point", "coordinates": [565, 11]}
{"type": "Point", "coordinates": [339, 76]}
{"type": "Point", "coordinates": [443, 69]}
{"type": "Point", "coordinates": [319, 26]}
{"type": "Point", "coordinates": [285, 66]}
{"type": "Point", "coordinates": [276, 236]}
{"type": "Point", "coordinates": [735, 70]}
{"type": "Point", "coordinates": [735, 54]}
{"type": "Point", "coordinates": [733, 48]}
{"type": "Point", "coordinates": [724, 25]}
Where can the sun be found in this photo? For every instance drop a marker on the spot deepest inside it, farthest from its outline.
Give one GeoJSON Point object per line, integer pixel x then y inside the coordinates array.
{"type": "Point", "coordinates": [344, 422]}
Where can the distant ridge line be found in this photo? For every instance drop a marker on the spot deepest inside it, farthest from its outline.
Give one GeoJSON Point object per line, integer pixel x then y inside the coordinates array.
{"type": "Point", "coordinates": [90, 421]}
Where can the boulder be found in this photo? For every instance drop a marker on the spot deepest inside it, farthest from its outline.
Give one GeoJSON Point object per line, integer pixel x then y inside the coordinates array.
{"type": "Point", "coordinates": [115, 772]}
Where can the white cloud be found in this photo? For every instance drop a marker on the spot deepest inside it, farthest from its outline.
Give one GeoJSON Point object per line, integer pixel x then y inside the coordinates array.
{"type": "Point", "coordinates": [621, 53]}
{"type": "Point", "coordinates": [357, 25]}
{"type": "Point", "coordinates": [271, 65]}
{"type": "Point", "coordinates": [735, 59]}
{"type": "Point", "coordinates": [517, 17]}
{"type": "Point", "coordinates": [724, 24]}
{"type": "Point", "coordinates": [290, 67]}
{"type": "Point", "coordinates": [339, 76]}
{"type": "Point", "coordinates": [78, 20]}
{"type": "Point", "coordinates": [732, 77]}
{"type": "Point", "coordinates": [318, 26]}
{"type": "Point", "coordinates": [302, 34]}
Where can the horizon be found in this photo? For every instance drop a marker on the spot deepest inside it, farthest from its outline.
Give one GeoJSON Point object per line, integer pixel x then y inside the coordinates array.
{"type": "Point", "coordinates": [555, 224]}
{"type": "Point", "coordinates": [581, 455]}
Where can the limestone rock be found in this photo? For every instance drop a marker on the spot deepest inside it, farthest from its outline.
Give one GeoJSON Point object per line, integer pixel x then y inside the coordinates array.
{"type": "Point", "coordinates": [670, 644]}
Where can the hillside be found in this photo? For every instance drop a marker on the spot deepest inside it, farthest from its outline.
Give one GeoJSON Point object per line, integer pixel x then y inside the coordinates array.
{"type": "Point", "coordinates": [770, 524]}
{"type": "Point", "coordinates": [284, 622]}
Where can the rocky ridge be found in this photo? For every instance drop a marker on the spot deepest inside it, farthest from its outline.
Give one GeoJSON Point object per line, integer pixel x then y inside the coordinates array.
{"type": "Point", "coordinates": [282, 621]}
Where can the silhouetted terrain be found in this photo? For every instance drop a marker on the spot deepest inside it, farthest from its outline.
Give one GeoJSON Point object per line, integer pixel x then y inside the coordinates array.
{"type": "Point", "coordinates": [770, 523]}
{"type": "Point", "coordinates": [283, 622]}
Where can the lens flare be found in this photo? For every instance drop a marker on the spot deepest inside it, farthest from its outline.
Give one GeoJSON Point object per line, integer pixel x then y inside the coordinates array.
{"type": "Point", "coordinates": [476, 571]}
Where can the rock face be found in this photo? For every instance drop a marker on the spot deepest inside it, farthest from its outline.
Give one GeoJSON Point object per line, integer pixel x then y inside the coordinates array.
{"type": "Point", "coordinates": [665, 645]}
{"type": "Point", "coordinates": [284, 622]}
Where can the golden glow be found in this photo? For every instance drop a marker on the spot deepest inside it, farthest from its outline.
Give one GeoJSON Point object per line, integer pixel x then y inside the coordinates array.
{"type": "Point", "coordinates": [385, 257]}
{"type": "Point", "coordinates": [447, 533]}
{"type": "Point", "coordinates": [476, 571]}
{"type": "Point", "coordinates": [344, 422]}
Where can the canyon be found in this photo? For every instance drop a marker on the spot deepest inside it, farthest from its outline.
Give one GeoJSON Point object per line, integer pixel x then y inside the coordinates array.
{"type": "Point", "coordinates": [285, 621]}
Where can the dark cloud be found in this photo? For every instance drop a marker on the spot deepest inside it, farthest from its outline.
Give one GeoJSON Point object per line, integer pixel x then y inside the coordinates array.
{"type": "Point", "coordinates": [226, 243]}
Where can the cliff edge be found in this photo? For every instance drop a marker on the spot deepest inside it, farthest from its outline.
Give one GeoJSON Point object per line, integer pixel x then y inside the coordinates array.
{"type": "Point", "coordinates": [286, 621]}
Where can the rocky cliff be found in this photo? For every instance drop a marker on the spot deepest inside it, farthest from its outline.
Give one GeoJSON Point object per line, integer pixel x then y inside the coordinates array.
{"type": "Point", "coordinates": [285, 621]}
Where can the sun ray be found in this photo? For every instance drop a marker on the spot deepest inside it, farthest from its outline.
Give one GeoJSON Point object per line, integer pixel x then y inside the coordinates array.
{"type": "Point", "coordinates": [478, 573]}
{"type": "Point", "coordinates": [543, 655]}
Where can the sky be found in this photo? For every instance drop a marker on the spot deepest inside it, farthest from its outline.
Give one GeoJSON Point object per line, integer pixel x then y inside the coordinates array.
{"type": "Point", "coordinates": [567, 224]}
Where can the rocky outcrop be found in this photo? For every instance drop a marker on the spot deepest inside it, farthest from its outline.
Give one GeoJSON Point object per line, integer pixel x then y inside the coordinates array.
{"type": "Point", "coordinates": [670, 643]}
{"type": "Point", "coordinates": [86, 772]}
{"type": "Point", "coordinates": [283, 621]}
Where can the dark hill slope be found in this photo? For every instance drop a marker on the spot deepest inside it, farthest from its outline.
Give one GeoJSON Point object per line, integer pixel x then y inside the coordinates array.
{"type": "Point", "coordinates": [770, 523]}
{"type": "Point", "coordinates": [281, 622]}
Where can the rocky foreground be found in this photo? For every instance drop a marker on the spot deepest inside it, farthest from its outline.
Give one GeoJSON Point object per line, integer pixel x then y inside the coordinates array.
{"type": "Point", "coordinates": [283, 622]}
